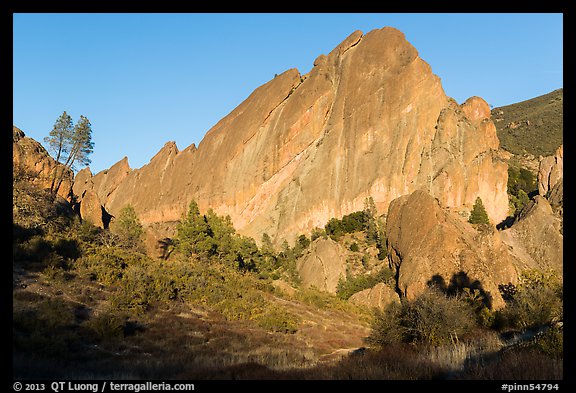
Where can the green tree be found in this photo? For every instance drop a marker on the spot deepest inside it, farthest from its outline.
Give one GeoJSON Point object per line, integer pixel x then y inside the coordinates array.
{"type": "Point", "coordinates": [128, 228]}
{"type": "Point", "coordinates": [267, 246]}
{"type": "Point", "coordinates": [222, 232]}
{"type": "Point", "coordinates": [478, 214]}
{"type": "Point", "coordinates": [194, 235]}
{"type": "Point", "coordinates": [317, 232]}
{"type": "Point", "coordinates": [71, 145]}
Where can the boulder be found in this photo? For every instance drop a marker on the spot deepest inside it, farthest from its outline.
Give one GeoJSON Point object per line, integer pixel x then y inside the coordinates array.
{"type": "Point", "coordinates": [379, 296]}
{"type": "Point", "coordinates": [91, 209]}
{"type": "Point", "coordinates": [428, 245]}
{"type": "Point", "coordinates": [323, 265]}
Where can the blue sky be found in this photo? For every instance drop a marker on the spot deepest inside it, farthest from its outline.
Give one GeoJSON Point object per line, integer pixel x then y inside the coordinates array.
{"type": "Point", "coordinates": [145, 79]}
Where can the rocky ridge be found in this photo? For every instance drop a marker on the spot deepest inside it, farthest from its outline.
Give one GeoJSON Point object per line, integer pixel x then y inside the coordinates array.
{"type": "Point", "coordinates": [370, 119]}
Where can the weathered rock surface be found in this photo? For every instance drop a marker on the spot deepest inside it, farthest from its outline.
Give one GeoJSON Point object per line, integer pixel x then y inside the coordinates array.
{"type": "Point", "coordinates": [33, 161]}
{"type": "Point", "coordinates": [92, 191]}
{"type": "Point", "coordinates": [551, 171]}
{"type": "Point", "coordinates": [429, 245]}
{"type": "Point", "coordinates": [323, 265]}
{"type": "Point", "coordinates": [369, 119]}
{"type": "Point", "coordinates": [91, 209]}
{"type": "Point", "coordinates": [379, 296]}
{"type": "Point", "coordinates": [556, 198]}
{"type": "Point", "coordinates": [535, 238]}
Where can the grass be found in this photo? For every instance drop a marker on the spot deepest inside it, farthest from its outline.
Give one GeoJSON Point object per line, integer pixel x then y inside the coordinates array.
{"type": "Point", "coordinates": [542, 135]}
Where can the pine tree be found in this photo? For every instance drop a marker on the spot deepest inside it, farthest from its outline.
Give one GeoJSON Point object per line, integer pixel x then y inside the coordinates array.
{"type": "Point", "coordinates": [194, 235]}
{"type": "Point", "coordinates": [71, 145]}
{"type": "Point", "coordinates": [128, 228]}
{"type": "Point", "coordinates": [478, 214]}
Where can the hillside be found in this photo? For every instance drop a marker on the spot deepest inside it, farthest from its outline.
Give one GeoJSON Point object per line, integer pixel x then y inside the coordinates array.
{"type": "Point", "coordinates": [88, 307]}
{"type": "Point", "coordinates": [533, 126]}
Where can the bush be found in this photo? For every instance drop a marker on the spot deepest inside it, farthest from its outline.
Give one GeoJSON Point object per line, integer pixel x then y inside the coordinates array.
{"type": "Point", "coordinates": [536, 301]}
{"type": "Point", "coordinates": [278, 320]}
{"type": "Point", "coordinates": [128, 228]}
{"type": "Point", "coordinates": [350, 286]}
{"type": "Point", "coordinates": [432, 318]}
{"type": "Point", "coordinates": [107, 328]}
{"type": "Point", "coordinates": [521, 182]}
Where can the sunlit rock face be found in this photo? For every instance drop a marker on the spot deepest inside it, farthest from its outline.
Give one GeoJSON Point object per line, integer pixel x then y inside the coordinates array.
{"type": "Point", "coordinates": [369, 119]}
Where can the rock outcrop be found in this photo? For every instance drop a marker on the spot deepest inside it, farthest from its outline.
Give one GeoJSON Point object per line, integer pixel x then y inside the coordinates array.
{"type": "Point", "coordinates": [31, 160]}
{"type": "Point", "coordinates": [428, 245]}
{"type": "Point", "coordinates": [92, 191]}
{"type": "Point", "coordinates": [369, 119]}
{"type": "Point", "coordinates": [323, 265]}
{"type": "Point", "coordinates": [551, 171]}
{"type": "Point", "coordinates": [380, 296]}
{"type": "Point", "coordinates": [535, 238]}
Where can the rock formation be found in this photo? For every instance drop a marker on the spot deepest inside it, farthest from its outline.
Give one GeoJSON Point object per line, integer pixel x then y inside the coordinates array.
{"type": "Point", "coordinates": [31, 160]}
{"type": "Point", "coordinates": [535, 238]}
{"type": "Point", "coordinates": [379, 296]}
{"type": "Point", "coordinates": [91, 190]}
{"type": "Point", "coordinates": [323, 266]}
{"type": "Point", "coordinates": [428, 245]}
{"type": "Point", "coordinates": [551, 171]}
{"type": "Point", "coordinates": [369, 119]}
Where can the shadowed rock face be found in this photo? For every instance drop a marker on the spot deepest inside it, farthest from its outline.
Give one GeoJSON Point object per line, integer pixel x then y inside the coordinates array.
{"type": "Point", "coordinates": [369, 119]}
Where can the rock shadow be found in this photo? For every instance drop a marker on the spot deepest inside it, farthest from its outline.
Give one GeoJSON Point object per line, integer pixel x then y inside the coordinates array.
{"type": "Point", "coordinates": [458, 284]}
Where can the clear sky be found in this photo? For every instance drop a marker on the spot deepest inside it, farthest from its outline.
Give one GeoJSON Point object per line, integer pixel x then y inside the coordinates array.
{"type": "Point", "coordinates": [146, 79]}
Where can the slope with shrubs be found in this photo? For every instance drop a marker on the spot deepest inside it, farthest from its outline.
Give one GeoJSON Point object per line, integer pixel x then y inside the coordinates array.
{"type": "Point", "coordinates": [533, 126]}
{"type": "Point", "coordinates": [88, 303]}
{"type": "Point", "coordinates": [84, 297]}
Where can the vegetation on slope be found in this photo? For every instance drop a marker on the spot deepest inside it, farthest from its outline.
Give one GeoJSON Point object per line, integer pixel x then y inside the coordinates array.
{"type": "Point", "coordinates": [88, 303]}
{"type": "Point", "coordinates": [533, 126]}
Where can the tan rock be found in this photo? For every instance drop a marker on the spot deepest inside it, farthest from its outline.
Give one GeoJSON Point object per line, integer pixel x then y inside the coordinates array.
{"type": "Point", "coordinates": [323, 266]}
{"type": "Point", "coordinates": [284, 287]}
{"type": "Point", "coordinates": [535, 238]}
{"type": "Point", "coordinates": [429, 245]}
{"type": "Point", "coordinates": [370, 119]}
{"type": "Point", "coordinates": [476, 109]}
{"type": "Point", "coordinates": [91, 209]}
{"type": "Point", "coordinates": [551, 170]}
{"type": "Point", "coordinates": [379, 296]}
{"type": "Point", "coordinates": [106, 182]}
{"type": "Point", "coordinates": [33, 161]}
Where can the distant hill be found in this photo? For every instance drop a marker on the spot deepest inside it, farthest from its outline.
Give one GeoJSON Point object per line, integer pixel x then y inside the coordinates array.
{"type": "Point", "coordinates": [533, 126]}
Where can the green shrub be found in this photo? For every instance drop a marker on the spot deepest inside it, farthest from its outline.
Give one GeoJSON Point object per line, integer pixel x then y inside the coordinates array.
{"type": "Point", "coordinates": [350, 286]}
{"type": "Point", "coordinates": [521, 182]}
{"type": "Point", "coordinates": [128, 228]}
{"type": "Point", "coordinates": [278, 320]}
{"type": "Point", "coordinates": [537, 300]}
{"type": "Point", "coordinates": [432, 318]}
{"type": "Point", "coordinates": [106, 327]}
{"type": "Point", "coordinates": [551, 343]}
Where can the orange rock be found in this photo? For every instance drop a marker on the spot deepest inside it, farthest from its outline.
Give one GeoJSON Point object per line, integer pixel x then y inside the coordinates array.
{"type": "Point", "coordinates": [370, 119]}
